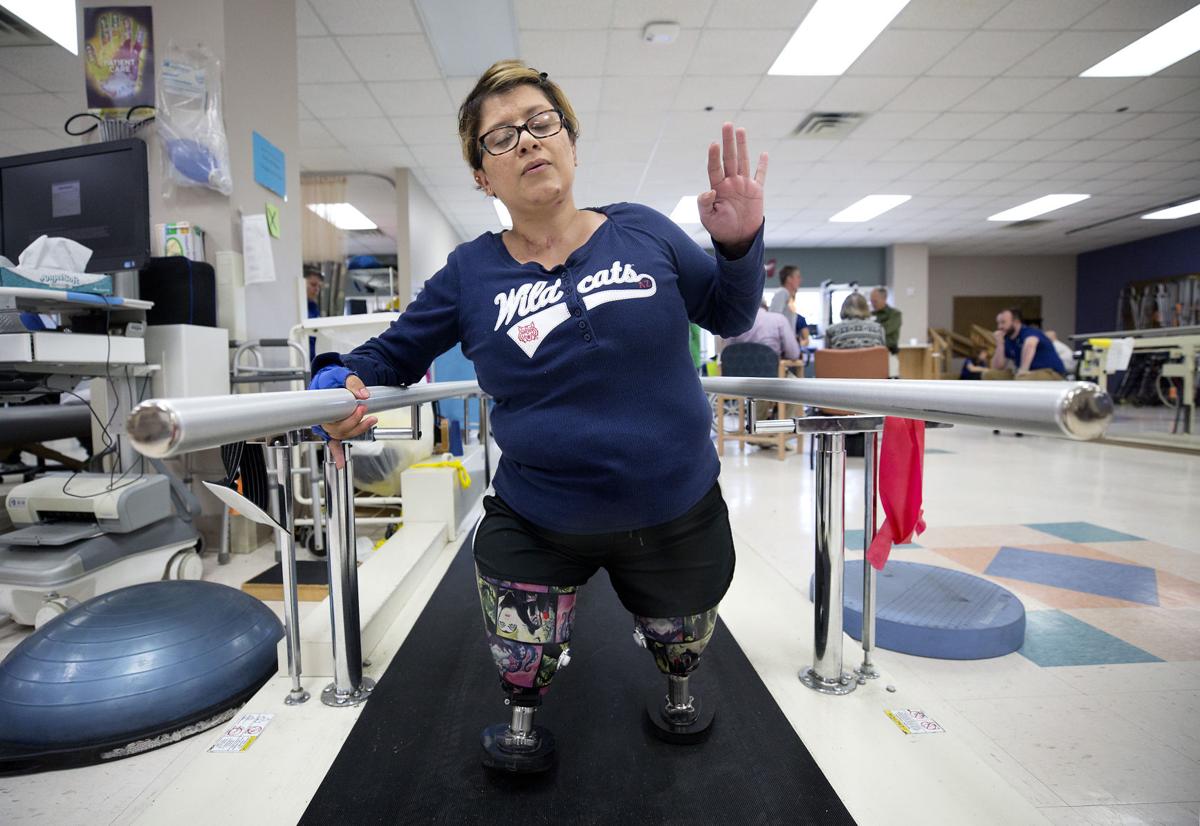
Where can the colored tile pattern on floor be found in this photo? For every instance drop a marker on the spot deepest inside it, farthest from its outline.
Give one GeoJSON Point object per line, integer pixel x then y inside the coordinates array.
{"type": "Point", "coordinates": [1082, 532]}
{"type": "Point", "coordinates": [854, 541]}
{"type": "Point", "coordinates": [1053, 638]}
{"type": "Point", "coordinates": [1134, 583]}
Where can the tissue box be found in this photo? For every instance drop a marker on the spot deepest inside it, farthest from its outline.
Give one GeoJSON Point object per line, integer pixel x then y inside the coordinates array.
{"type": "Point", "coordinates": [50, 279]}
{"type": "Point", "coordinates": [180, 238]}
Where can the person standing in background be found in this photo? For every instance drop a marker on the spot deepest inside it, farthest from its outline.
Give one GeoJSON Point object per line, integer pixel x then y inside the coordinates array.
{"type": "Point", "coordinates": [887, 316]}
{"type": "Point", "coordinates": [785, 302]}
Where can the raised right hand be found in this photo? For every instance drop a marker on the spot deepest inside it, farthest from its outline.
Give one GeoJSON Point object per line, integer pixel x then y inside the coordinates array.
{"type": "Point", "coordinates": [353, 425]}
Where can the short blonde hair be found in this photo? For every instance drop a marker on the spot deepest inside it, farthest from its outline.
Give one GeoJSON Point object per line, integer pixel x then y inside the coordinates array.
{"type": "Point", "coordinates": [855, 306]}
{"type": "Point", "coordinates": [501, 77]}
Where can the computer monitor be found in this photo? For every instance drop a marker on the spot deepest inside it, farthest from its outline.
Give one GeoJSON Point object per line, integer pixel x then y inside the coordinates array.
{"type": "Point", "coordinates": [97, 194]}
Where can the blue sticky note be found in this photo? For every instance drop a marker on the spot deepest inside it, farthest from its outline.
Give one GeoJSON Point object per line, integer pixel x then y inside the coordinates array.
{"type": "Point", "coordinates": [270, 168]}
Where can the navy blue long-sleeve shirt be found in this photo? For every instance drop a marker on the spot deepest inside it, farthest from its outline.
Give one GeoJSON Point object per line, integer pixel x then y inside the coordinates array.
{"type": "Point", "coordinates": [599, 413]}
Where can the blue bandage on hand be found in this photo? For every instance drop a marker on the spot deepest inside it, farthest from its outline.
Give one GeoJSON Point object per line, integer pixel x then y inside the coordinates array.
{"type": "Point", "coordinates": [332, 377]}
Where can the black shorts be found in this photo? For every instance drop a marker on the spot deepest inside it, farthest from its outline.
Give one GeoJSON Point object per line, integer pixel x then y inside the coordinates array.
{"type": "Point", "coordinates": [675, 569]}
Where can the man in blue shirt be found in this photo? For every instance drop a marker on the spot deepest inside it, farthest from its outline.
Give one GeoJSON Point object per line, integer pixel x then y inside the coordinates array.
{"type": "Point", "coordinates": [1031, 352]}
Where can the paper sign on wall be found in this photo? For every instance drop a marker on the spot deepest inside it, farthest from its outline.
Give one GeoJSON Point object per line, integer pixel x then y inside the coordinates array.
{"type": "Point", "coordinates": [272, 220]}
{"type": "Point", "coordinates": [257, 258]}
{"type": "Point", "coordinates": [270, 166]}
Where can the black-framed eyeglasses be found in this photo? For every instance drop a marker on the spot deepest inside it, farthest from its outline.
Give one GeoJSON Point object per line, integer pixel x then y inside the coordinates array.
{"type": "Point", "coordinates": [505, 138]}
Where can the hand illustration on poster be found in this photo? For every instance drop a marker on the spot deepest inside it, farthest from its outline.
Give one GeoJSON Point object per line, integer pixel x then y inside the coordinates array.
{"type": "Point", "coordinates": [118, 60]}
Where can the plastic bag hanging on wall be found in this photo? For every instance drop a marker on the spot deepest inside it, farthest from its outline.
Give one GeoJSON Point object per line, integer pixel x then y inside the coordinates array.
{"type": "Point", "coordinates": [191, 130]}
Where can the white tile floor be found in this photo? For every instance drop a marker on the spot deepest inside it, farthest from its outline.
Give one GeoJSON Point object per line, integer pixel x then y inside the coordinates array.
{"type": "Point", "coordinates": [1024, 744]}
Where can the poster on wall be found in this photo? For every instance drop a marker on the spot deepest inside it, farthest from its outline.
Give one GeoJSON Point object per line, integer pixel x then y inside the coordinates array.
{"type": "Point", "coordinates": [118, 63]}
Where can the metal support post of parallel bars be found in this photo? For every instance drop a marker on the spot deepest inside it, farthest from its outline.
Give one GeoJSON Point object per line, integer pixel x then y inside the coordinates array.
{"type": "Point", "coordinates": [349, 686]}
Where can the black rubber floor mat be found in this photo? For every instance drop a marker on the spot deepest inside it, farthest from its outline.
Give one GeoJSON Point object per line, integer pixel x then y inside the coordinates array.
{"type": "Point", "coordinates": [413, 756]}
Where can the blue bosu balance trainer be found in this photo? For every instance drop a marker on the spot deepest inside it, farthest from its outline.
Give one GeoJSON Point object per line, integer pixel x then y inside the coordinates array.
{"type": "Point", "coordinates": [935, 612]}
{"type": "Point", "coordinates": [132, 670]}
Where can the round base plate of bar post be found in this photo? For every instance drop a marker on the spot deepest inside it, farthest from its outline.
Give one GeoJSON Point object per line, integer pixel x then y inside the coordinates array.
{"type": "Point", "coordinates": [695, 732]}
{"type": "Point", "coordinates": [330, 697]}
{"type": "Point", "coordinates": [866, 671]}
{"type": "Point", "coordinates": [295, 698]}
{"type": "Point", "coordinates": [816, 682]}
{"type": "Point", "coordinates": [495, 756]}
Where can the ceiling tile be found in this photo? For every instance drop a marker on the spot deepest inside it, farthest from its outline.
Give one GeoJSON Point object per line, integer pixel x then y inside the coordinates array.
{"type": "Point", "coordinates": [1190, 151]}
{"type": "Point", "coordinates": [352, 132]}
{"type": "Point", "coordinates": [1149, 93]}
{"type": "Point", "coordinates": [1085, 125]}
{"type": "Point", "coordinates": [862, 94]}
{"type": "Point", "coordinates": [387, 158]}
{"type": "Point", "coordinates": [627, 54]}
{"type": "Point", "coordinates": [934, 94]}
{"type": "Point", "coordinates": [320, 60]}
{"type": "Point", "coordinates": [565, 53]}
{"type": "Point", "coordinates": [1068, 54]}
{"type": "Point", "coordinates": [976, 150]}
{"type": "Point", "coordinates": [413, 97]}
{"type": "Point", "coordinates": [630, 150]}
{"type": "Point", "coordinates": [444, 154]}
{"type": "Point", "coordinates": [987, 54]}
{"type": "Point", "coordinates": [917, 150]}
{"type": "Point", "coordinates": [315, 136]}
{"type": "Point", "coordinates": [734, 51]}
{"type": "Point", "coordinates": [723, 92]}
{"type": "Point", "coordinates": [1079, 94]}
{"type": "Point", "coordinates": [1023, 125]}
{"type": "Point", "coordinates": [326, 160]}
{"type": "Point", "coordinates": [368, 16]}
{"type": "Point", "coordinates": [1185, 103]}
{"type": "Point", "coordinates": [1088, 150]}
{"type": "Point", "coordinates": [1188, 67]}
{"type": "Point", "coordinates": [947, 14]}
{"type": "Point", "coordinates": [796, 93]}
{"type": "Point", "coordinates": [635, 14]}
{"type": "Point", "coordinates": [641, 94]}
{"type": "Point", "coordinates": [755, 14]}
{"type": "Point", "coordinates": [991, 170]}
{"type": "Point", "coordinates": [765, 126]}
{"type": "Point", "coordinates": [798, 150]}
{"type": "Point", "coordinates": [860, 150]}
{"type": "Point", "coordinates": [905, 52]}
{"type": "Point", "coordinates": [618, 126]}
{"type": "Point", "coordinates": [391, 56]}
{"type": "Point", "coordinates": [892, 124]}
{"type": "Point", "coordinates": [1031, 150]}
{"type": "Point", "coordinates": [1041, 170]}
{"type": "Point", "coordinates": [1149, 125]}
{"type": "Point", "coordinates": [428, 129]}
{"type": "Point", "coordinates": [940, 170]}
{"type": "Point", "coordinates": [959, 125]}
{"type": "Point", "coordinates": [1191, 129]}
{"type": "Point", "coordinates": [307, 22]}
{"type": "Point", "coordinates": [1139, 16]}
{"type": "Point", "coordinates": [552, 14]}
{"type": "Point", "coordinates": [1007, 94]}
{"type": "Point", "coordinates": [338, 100]}
{"type": "Point", "coordinates": [1038, 14]}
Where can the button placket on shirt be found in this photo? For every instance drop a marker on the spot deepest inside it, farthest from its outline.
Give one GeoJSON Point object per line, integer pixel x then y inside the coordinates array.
{"type": "Point", "coordinates": [576, 306]}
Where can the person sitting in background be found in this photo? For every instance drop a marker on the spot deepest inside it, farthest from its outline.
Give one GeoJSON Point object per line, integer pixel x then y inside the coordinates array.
{"type": "Point", "coordinates": [1029, 350]}
{"type": "Point", "coordinates": [856, 329]}
{"type": "Point", "coordinates": [888, 317]}
{"type": "Point", "coordinates": [313, 281]}
{"type": "Point", "coordinates": [975, 366]}
{"type": "Point", "coordinates": [784, 302]}
{"type": "Point", "coordinates": [1065, 354]}
{"type": "Point", "coordinates": [771, 329]}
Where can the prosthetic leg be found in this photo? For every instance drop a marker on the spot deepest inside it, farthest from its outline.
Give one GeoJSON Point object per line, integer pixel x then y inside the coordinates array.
{"type": "Point", "coordinates": [528, 629]}
{"type": "Point", "coordinates": [677, 643]}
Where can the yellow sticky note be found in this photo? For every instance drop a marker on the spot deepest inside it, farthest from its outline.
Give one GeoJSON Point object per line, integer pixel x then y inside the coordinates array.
{"type": "Point", "coordinates": [273, 220]}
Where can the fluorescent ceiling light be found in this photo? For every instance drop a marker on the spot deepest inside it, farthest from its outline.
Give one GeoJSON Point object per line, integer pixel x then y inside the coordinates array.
{"type": "Point", "coordinates": [869, 207]}
{"type": "Point", "coordinates": [343, 216]}
{"type": "Point", "coordinates": [502, 213]}
{"type": "Point", "coordinates": [1038, 206]}
{"type": "Point", "coordinates": [53, 18]}
{"type": "Point", "coordinates": [1177, 211]}
{"type": "Point", "coordinates": [833, 35]}
{"type": "Point", "coordinates": [1169, 43]}
{"type": "Point", "coordinates": [687, 211]}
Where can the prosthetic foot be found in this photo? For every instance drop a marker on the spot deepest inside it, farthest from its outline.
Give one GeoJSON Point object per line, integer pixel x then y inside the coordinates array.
{"type": "Point", "coordinates": [677, 716]}
{"type": "Point", "coordinates": [518, 746]}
